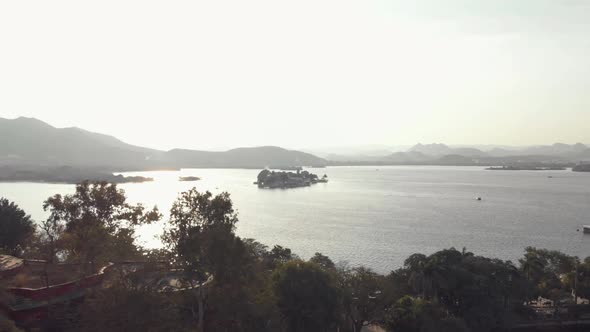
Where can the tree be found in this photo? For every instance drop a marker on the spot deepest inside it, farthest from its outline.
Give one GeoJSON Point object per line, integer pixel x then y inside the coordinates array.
{"type": "Point", "coordinates": [409, 314]}
{"type": "Point", "coordinates": [583, 286]}
{"type": "Point", "coordinates": [279, 255]}
{"type": "Point", "coordinates": [307, 296]}
{"type": "Point", "coordinates": [201, 240]}
{"type": "Point", "coordinates": [52, 230]}
{"type": "Point", "coordinates": [130, 309]}
{"type": "Point", "coordinates": [194, 217]}
{"type": "Point", "coordinates": [416, 265]}
{"type": "Point", "coordinates": [363, 297]}
{"type": "Point", "coordinates": [256, 249]}
{"type": "Point", "coordinates": [16, 227]}
{"type": "Point", "coordinates": [262, 176]}
{"type": "Point", "coordinates": [478, 290]}
{"type": "Point", "coordinates": [417, 315]}
{"type": "Point", "coordinates": [550, 272]}
{"type": "Point", "coordinates": [323, 261]}
{"type": "Point", "coordinates": [98, 223]}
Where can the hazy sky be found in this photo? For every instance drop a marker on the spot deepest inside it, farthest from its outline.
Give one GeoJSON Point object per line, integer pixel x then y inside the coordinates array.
{"type": "Point", "coordinates": [216, 74]}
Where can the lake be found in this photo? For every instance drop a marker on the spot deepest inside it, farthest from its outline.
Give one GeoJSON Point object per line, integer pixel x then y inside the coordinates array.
{"type": "Point", "coordinates": [378, 216]}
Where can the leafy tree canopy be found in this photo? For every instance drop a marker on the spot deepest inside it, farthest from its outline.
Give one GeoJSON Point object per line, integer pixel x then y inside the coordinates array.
{"type": "Point", "coordinates": [16, 227]}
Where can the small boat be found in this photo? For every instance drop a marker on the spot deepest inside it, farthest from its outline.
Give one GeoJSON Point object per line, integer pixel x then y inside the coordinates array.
{"type": "Point", "coordinates": [479, 198]}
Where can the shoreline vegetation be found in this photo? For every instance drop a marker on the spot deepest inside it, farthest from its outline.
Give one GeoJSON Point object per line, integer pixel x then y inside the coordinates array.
{"type": "Point", "coordinates": [268, 179]}
{"type": "Point", "coordinates": [255, 288]}
{"type": "Point", "coordinates": [525, 168]}
{"type": "Point", "coordinates": [581, 168]}
{"type": "Point", "coordinates": [74, 175]}
{"type": "Point", "coordinates": [65, 175]}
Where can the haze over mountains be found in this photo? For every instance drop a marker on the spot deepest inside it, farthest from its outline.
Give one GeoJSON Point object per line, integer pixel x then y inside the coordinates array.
{"type": "Point", "coordinates": [441, 154]}
{"type": "Point", "coordinates": [28, 145]}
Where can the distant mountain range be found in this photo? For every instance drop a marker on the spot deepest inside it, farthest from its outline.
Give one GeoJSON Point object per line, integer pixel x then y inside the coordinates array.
{"type": "Point", "coordinates": [441, 154]}
{"type": "Point", "coordinates": [31, 149]}
{"type": "Point", "coordinates": [555, 153]}
{"type": "Point", "coordinates": [30, 146]}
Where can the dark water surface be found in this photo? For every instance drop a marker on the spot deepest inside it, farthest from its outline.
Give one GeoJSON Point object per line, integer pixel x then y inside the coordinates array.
{"type": "Point", "coordinates": [377, 216]}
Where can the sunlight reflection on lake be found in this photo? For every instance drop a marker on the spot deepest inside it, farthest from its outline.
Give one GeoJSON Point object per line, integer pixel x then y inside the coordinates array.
{"type": "Point", "coordinates": [377, 216]}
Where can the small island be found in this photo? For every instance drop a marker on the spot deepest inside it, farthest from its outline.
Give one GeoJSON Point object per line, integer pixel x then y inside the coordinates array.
{"type": "Point", "coordinates": [581, 168]}
{"type": "Point", "coordinates": [189, 178]}
{"type": "Point", "coordinates": [271, 179]}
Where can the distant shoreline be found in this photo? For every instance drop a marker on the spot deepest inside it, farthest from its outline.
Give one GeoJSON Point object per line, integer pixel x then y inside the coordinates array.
{"type": "Point", "coordinates": [525, 168]}
{"type": "Point", "coordinates": [72, 175]}
{"type": "Point", "coordinates": [64, 175]}
{"type": "Point", "coordinates": [74, 182]}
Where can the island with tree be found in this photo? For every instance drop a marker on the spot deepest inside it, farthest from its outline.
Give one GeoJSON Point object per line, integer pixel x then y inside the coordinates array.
{"type": "Point", "coordinates": [271, 179]}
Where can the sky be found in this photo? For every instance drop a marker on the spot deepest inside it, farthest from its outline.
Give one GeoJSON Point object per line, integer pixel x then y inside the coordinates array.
{"type": "Point", "coordinates": [308, 73]}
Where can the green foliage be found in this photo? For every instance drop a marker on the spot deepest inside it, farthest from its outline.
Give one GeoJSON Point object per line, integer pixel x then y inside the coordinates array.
{"type": "Point", "coordinates": [477, 289]}
{"type": "Point", "coordinates": [260, 289]}
{"type": "Point", "coordinates": [307, 296]}
{"type": "Point", "coordinates": [323, 261]}
{"type": "Point", "coordinates": [96, 222]}
{"type": "Point", "coordinates": [16, 228]}
{"type": "Point", "coordinates": [262, 176]}
{"type": "Point", "coordinates": [409, 314]}
{"type": "Point", "coordinates": [124, 309]}
{"type": "Point", "coordinates": [278, 256]}
{"type": "Point", "coordinates": [544, 269]}
{"type": "Point", "coordinates": [272, 179]}
{"type": "Point", "coordinates": [583, 282]}
{"type": "Point", "coordinates": [201, 241]}
{"type": "Point", "coordinates": [256, 249]}
{"type": "Point", "coordinates": [363, 296]}
{"type": "Point", "coordinates": [200, 234]}
{"type": "Point", "coordinates": [417, 315]}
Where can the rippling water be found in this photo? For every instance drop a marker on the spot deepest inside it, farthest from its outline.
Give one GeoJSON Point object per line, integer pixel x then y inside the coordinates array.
{"type": "Point", "coordinates": [377, 216]}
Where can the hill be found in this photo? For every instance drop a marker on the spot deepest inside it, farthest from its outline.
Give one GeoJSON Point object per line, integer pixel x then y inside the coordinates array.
{"type": "Point", "coordinates": [443, 150]}
{"type": "Point", "coordinates": [33, 144]}
{"type": "Point", "coordinates": [257, 157]}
